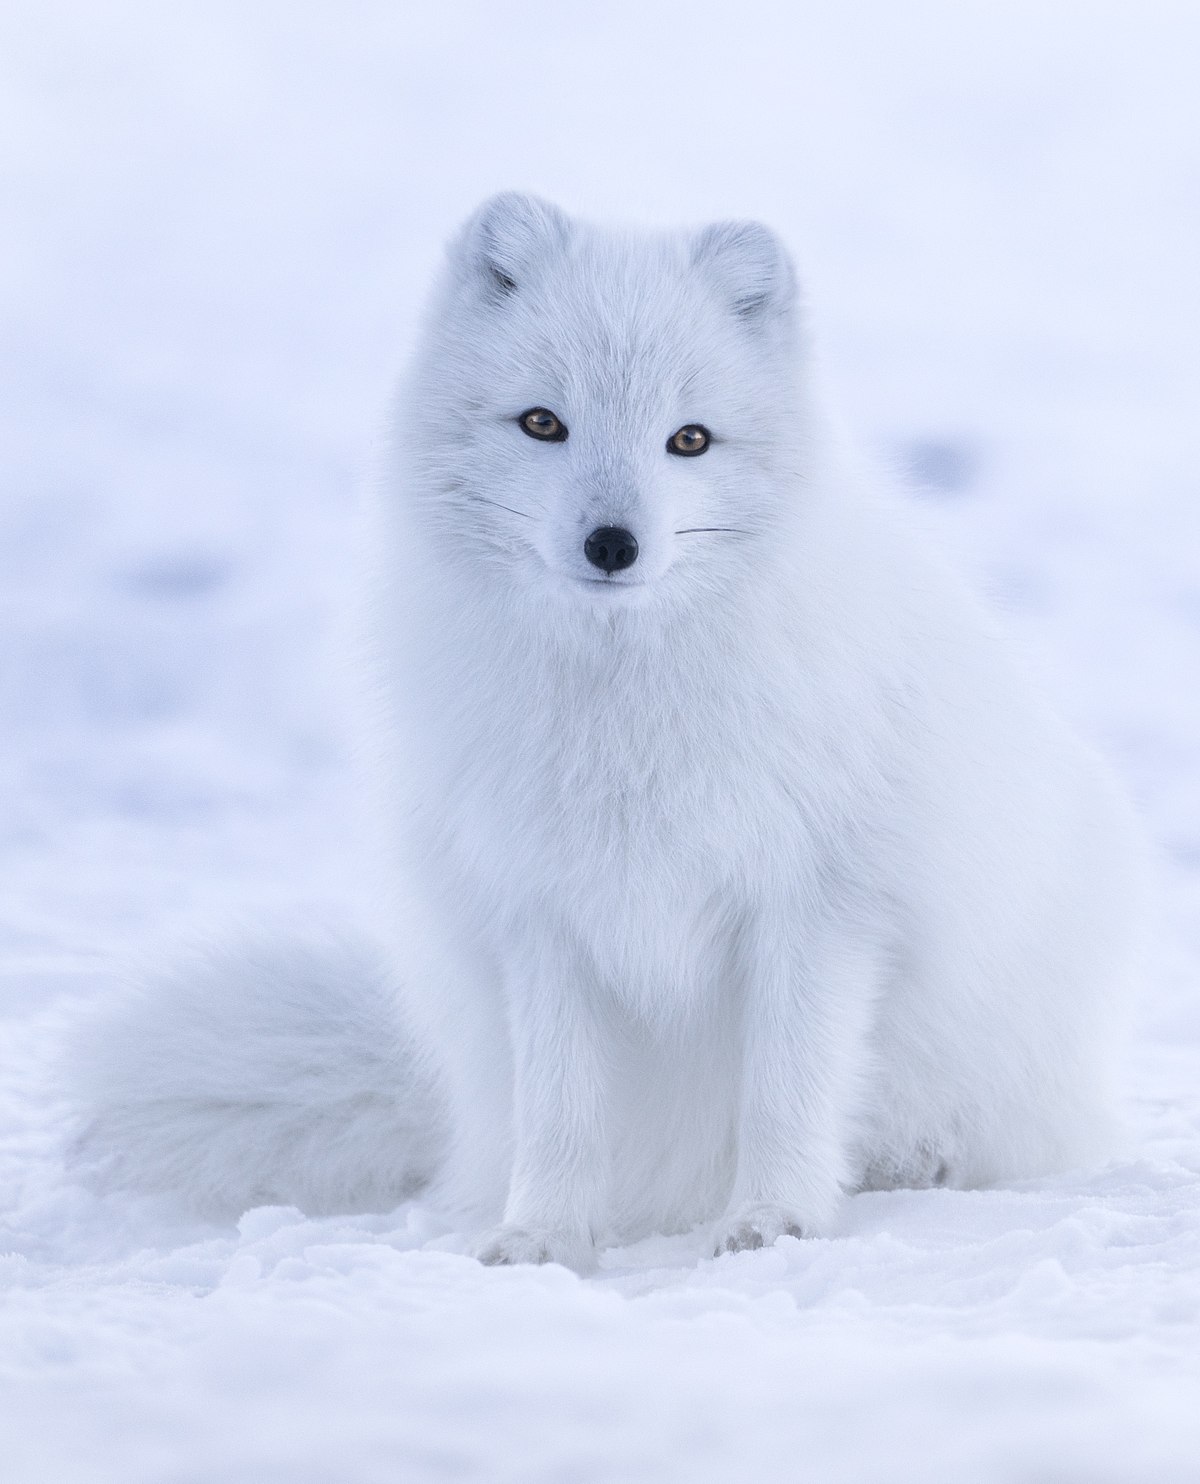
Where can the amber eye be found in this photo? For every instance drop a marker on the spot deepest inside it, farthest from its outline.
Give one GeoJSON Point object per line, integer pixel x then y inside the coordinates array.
{"type": "Point", "coordinates": [691, 440]}
{"type": "Point", "coordinates": [540, 423]}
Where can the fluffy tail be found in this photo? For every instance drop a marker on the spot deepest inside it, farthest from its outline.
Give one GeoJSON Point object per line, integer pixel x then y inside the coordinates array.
{"type": "Point", "coordinates": [275, 1071]}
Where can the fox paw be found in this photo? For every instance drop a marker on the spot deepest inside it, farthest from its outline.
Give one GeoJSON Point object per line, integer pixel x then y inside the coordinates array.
{"type": "Point", "coordinates": [508, 1246]}
{"type": "Point", "coordinates": [752, 1226]}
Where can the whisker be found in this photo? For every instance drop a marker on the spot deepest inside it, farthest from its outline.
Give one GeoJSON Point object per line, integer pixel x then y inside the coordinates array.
{"type": "Point", "coordinates": [483, 500]}
{"type": "Point", "coordinates": [699, 530]}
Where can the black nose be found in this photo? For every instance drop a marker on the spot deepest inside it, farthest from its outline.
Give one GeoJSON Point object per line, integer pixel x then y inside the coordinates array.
{"type": "Point", "coordinates": [611, 548]}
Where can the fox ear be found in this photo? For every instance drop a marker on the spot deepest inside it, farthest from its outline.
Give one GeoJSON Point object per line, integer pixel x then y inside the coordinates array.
{"type": "Point", "coordinates": [750, 267]}
{"type": "Point", "coordinates": [506, 237]}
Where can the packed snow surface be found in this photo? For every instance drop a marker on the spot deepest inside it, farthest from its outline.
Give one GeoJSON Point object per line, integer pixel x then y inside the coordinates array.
{"type": "Point", "coordinates": [217, 222]}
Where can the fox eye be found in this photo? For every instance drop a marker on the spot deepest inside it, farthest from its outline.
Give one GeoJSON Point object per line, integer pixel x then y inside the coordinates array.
{"type": "Point", "coordinates": [689, 441]}
{"type": "Point", "coordinates": [539, 422]}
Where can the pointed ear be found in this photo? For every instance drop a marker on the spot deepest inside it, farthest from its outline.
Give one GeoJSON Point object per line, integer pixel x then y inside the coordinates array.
{"type": "Point", "coordinates": [749, 266]}
{"type": "Point", "coordinates": [505, 239]}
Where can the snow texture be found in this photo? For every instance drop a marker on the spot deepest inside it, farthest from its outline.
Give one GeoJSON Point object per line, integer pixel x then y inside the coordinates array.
{"type": "Point", "coordinates": [219, 222]}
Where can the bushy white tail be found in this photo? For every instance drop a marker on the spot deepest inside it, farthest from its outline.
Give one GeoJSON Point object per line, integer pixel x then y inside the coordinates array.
{"type": "Point", "coordinates": [274, 1070]}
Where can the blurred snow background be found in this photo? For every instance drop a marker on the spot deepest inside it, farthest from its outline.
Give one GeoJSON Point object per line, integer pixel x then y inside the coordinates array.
{"type": "Point", "coordinates": [217, 222]}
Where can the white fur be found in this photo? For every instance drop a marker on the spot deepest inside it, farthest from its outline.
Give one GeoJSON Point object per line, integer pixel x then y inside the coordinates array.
{"type": "Point", "coordinates": [277, 1069]}
{"type": "Point", "coordinates": [751, 875]}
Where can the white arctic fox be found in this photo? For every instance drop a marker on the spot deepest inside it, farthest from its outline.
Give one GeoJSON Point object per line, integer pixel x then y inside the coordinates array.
{"type": "Point", "coordinates": [736, 867]}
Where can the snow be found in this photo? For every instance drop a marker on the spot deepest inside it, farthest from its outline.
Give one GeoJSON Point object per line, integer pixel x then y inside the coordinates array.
{"type": "Point", "coordinates": [217, 223]}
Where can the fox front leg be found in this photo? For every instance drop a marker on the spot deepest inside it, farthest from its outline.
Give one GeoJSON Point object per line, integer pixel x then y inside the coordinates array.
{"type": "Point", "coordinates": [807, 1013]}
{"type": "Point", "coordinates": [559, 1176]}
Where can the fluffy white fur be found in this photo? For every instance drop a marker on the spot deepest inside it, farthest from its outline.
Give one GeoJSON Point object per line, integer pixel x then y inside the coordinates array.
{"type": "Point", "coordinates": [278, 1069]}
{"type": "Point", "coordinates": [735, 881]}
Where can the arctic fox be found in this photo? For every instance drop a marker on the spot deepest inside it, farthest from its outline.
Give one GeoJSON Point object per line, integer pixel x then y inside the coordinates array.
{"type": "Point", "coordinates": [736, 866]}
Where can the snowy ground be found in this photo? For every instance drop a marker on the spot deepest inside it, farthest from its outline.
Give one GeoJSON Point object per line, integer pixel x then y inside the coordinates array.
{"type": "Point", "coordinates": [217, 222]}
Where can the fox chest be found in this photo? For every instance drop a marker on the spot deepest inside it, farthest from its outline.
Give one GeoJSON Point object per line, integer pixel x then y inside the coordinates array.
{"type": "Point", "coordinates": [626, 881]}
{"type": "Point", "coordinates": [638, 834]}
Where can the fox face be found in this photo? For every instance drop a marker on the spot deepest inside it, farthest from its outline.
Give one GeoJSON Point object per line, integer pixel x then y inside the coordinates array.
{"type": "Point", "coordinates": [608, 417]}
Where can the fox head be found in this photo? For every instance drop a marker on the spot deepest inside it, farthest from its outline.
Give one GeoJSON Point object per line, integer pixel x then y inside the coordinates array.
{"type": "Point", "coordinates": [605, 416]}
